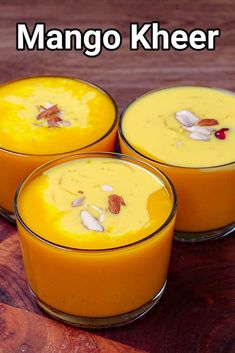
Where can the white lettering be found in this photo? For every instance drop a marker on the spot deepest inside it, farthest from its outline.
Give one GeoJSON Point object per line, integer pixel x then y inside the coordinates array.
{"type": "Point", "coordinates": [24, 39]}
{"type": "Point", "coordinates": [137, 36]}
{"type": "Point", "coordinates": [55, 40]}
{"type": "Point", "coordinates": [69, 35]}
{"type": "Point", "coordinates": [196, 37]}
{"type": "Point", "coordinates": [212, 33]}
{"type": "Point", "coordinates": [92, 42]}
{"type": "Point", "coordinates": [115, 43]}
{"type": "Point", "coordinates": [156, 33]}
{"type": "Point", "coordinates": [179, 39]}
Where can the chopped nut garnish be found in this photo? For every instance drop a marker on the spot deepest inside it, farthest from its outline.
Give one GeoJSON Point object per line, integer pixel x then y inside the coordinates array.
{"type": "Point", "coordinates": [90, 222]}
{"type": "Point", "coordinates": [47, 112]}
{"type": "Point", "coordinates": [186, 118]}
{"type": "Point", "coordinates": [200, 129]}
{"type": "Point", "coordinates": [50, 114]}
{"type": "Point", "coordinates": [101, 212]}
{"type": "Point", "coordinates": [199, 136]}
{"type": "Point", "coordinates": [208, 122]}
{"type": "Point", "coordinates": [115, 203]}
{"type": "Point", "coordinates": [53, 121]}
{"type": "Point", "coordinates": [78, 201]}
{"type": "Point", "coordinates": [107, 188]}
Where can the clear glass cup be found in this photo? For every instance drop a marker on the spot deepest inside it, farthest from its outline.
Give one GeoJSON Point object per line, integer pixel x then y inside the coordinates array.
{"type": "Point", "coordinates": [16, 166]}
{"type": "Point", "coordinates": [118, 284]}
{"type": "Point", "coordinates": [206, 197]}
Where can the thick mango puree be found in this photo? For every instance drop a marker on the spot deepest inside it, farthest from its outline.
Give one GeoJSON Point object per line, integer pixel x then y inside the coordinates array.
{"type": "Point", "coordinates": [108, 270]}
{"type": "Point", "coordinates": [42, 117]}
{"type": "Point", "coordinates": [88, 111]}
{"type": "Point", "coordinates": [151, 127]}
{"type": "Point", "coordinates": [188, 133]}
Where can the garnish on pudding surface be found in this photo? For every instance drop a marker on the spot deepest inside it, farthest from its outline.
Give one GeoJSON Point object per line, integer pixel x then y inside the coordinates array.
{"type": "Point", "coordinates": [151, 128]}
{"type": "Point", "coordinates": [50, 113]}
{"type": "Point", "coordinates": [220, 134]}
{"type": "Point", "coordinates": [200, 129]}
{"type": "Point", "coordinates": [208, 122]}
{"type": "Point", "coordinates": [94, 203]}
{"type": "Point", "coordinates": [115, 203]}
{"type": "Point", "coordinates": [92, 222]}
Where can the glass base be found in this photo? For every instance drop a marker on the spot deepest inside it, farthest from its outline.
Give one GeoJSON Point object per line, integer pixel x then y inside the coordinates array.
{"type": "Point", "coordinates": [99, 322]}
{"type": "Point", "coordinates": [8, 215]}
{"type": "Point", "coordinates": [197, 237]}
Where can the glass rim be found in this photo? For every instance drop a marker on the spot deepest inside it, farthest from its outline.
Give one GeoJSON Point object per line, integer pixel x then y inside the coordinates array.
{"type": "Point", "coordinates": [167, 183]}
{"type": "Point", "coordinates": [108, 132]}
{"type": "Point", "coordinates": [124, 139]}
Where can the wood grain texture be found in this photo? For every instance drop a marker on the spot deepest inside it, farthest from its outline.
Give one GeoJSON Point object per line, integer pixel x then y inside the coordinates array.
{"type": "Point", "coordinates": [13, 286]}
{"type": "Point", "coordinates": [123, 73]}
{"type": "Point", "coordinates": [22, 331]}
{"type": "Point", "coordinates": [197, 312]}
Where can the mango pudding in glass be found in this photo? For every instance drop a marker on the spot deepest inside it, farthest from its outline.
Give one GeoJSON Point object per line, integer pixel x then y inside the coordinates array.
{"type": "Point", "coordinates": [189, 134]}
{"type": "Point", "coordinates": [46, 117]}
{"type": "Point", "coordinates": [96, 247]}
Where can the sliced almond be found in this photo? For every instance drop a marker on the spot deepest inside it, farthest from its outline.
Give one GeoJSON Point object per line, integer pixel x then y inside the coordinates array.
{"type": "Point", "coordinates": [200, 129]}
{"type": "Point", "coordinates": [52, 114]}
{"type": "Point", "coordinates": [199, 136]}
{"type": "Point", "coordinates": [115, 203]}
{"type": "Point", "coordinates": [100, 210]}
{"type": "Point", "coordinates": [46, 112]}
{"type": "Point", "coordinates": [44, 107]}
{"type": "Point", "coordinates": [107, 188]}
{"type": "Point", "coordinates": [90, 222]}
{"type": "Point", "coordinates": [208, 122]}
{"type": "Point", "coordinates": [78, 201]}
{"type": "Point", "coordinates": [101, 217]}
{"type": "Point", "coordinates": [54, 121]}
{"type": "Point", "coordinates": [186, 118]}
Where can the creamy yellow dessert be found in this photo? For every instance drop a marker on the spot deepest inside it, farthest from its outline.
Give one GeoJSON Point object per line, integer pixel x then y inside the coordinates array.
{"type": "Point", "coordinates": [189, 133]}
{"type": "Point", "coordinates": [151, 127]}
{"type": "Point", "coordinates": [66, 193]}
{"type": "Point", "coordinates": [86, 114]}
{"type": "Point", "coordinates": [43, 117]}
{"type": "Point", "coordinates": [102, 233]}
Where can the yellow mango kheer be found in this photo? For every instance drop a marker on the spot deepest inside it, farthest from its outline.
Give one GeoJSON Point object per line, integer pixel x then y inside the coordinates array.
{"type": "Point", "coordinates": [45, 116]}
{"type": "Point", "coordinates": [188, 132]}
{"type": "Point", "coordinates": [106, 211]}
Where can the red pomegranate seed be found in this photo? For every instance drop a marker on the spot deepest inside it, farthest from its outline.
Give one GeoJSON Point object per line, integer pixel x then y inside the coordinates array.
{"type": "Point", "coordinates": [220, 134]}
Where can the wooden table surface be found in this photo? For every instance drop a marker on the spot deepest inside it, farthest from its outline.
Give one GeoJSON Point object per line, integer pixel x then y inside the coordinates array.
{"type": "Point", "coordinates": [197, 312]}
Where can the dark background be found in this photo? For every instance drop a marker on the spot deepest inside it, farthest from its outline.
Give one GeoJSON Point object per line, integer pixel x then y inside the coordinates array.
{"type": "Point", "coordinates": [197, 312]}
{"type": "Point", "coordinates": [123, 73]}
